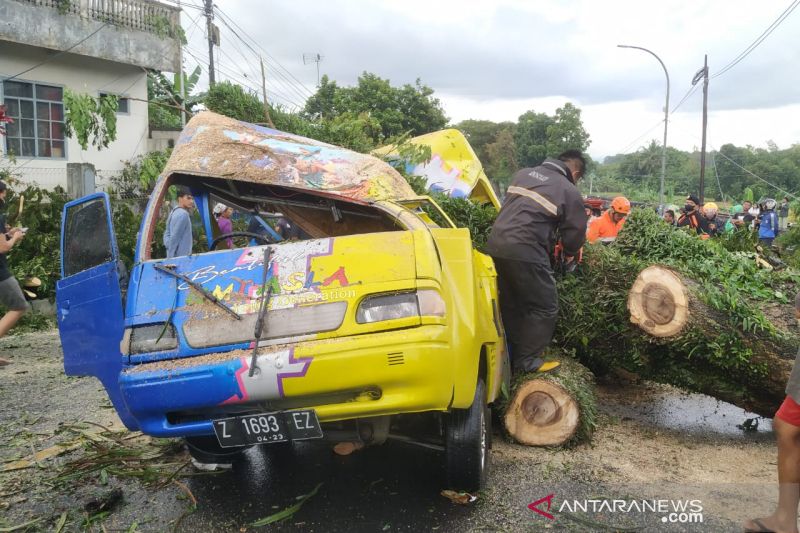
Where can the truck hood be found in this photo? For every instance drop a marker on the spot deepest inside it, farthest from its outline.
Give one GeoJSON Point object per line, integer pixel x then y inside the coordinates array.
{"type": "Point", "coordinates": [313, 285]}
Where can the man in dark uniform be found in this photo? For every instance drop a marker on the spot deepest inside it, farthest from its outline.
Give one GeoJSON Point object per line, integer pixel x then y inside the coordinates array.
{"type": "Point", "coordinates": [542, 204]}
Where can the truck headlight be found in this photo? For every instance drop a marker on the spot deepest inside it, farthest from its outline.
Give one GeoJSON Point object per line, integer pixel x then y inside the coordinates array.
{"type": "Point", "coordinates": [145, 339]}
{"type": "Point", "coordinates": [400, 305]}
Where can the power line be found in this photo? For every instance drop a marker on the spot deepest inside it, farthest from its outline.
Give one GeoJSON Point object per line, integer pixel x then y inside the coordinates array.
{"type": "Point", "coordinates": [245, 83]}
{"type": "Point", "coordinates": [688, 95]}
{"type": "Point", "coordinates": [714, 164]}
{"type": "Point", "coordinates": [290, 87]}
{"type": "Point", "coordinates": [267, 54]}
{"type": "Point", "coordinates": [280, 77]}
{"type": "Point", "coordinates": [757, 176]}
{"type": "Point", "coordinates": [634, 141]}
{"type": "Point", "coordinates": [759, 39]}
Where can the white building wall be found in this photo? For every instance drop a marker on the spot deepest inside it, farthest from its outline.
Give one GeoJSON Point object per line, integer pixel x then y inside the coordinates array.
{"type": "Point", "coordinates": [84, 75]}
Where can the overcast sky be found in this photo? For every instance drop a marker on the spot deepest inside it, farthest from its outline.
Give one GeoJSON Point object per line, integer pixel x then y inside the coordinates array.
{"type": "Point", "coordinates": [497, 59]}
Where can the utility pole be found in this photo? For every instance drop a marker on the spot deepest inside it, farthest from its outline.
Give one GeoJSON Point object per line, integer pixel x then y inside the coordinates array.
{"type": "Point", "coordinates": [313, 58]}
{"type": "Point", "coordinates": [264, 92]}
{"type": "Point", "coordinates": [181, 79]}
{"type": "Point", "coordinates": [209, 5]}
{"type": "Point", "coordinates": [705, 124]}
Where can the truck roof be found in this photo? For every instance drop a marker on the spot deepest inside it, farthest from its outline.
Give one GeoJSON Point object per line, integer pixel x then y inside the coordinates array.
{"type": "Point", "coordinates": [218, 146]}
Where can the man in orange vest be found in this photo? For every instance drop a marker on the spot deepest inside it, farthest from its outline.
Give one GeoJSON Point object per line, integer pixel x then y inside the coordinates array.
{"type": "Point", "coordinates": [609, 223]}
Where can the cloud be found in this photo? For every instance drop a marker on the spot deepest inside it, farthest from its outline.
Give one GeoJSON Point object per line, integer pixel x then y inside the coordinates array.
{"type": "Point", "coordinates": [505, 57]}
{"type": "Point", "coordinates": [512, 49]}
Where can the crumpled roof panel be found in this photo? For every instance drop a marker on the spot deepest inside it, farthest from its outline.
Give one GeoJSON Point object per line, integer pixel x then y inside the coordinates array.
{"type": "Point", "coordinates": [222, 147]}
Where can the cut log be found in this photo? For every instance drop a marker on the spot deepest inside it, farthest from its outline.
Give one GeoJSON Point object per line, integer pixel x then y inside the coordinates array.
{"type": "Point", "coordinates": [658, 302]}
{"type": "Point", "coordinates": [552, 409]}
{"type": "Point", "coordinates": [668, 307]}
{"type": "Point", "coordinates": [542, 413]}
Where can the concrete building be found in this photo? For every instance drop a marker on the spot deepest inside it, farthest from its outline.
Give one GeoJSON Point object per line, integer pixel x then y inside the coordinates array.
{"type": "Point", "coordinates": [87, 46]}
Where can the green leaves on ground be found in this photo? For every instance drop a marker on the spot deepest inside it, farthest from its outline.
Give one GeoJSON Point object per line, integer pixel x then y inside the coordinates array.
{"type": "Point", "coordinates": [289, 511]}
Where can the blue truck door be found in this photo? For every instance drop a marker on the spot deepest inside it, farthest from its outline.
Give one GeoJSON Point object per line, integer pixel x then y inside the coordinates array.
{"type": "Point", "coordinates": [88, 296]}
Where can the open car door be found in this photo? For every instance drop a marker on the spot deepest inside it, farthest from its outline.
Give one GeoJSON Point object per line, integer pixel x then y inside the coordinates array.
{"type": "Point", "coordinates": [89, 297]}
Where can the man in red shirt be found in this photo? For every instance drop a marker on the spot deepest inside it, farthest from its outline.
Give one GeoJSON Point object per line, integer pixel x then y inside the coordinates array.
{"type": "Point", "coordinates": [609, 223]}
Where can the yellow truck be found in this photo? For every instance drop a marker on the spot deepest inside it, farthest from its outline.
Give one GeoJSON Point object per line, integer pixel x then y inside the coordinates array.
{"type": "Point", "coordinates": [343, 312]}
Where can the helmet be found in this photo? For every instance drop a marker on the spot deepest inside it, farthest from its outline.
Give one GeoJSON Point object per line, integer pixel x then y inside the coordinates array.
{"type": "Point", "coordinates": [220, 208]}
{"type": "Point", "coordinates": [710, 206]}
{"type": "Point", "coordinates": [770, 203]}
{"type": "Point", "coordinates": [620, 204]}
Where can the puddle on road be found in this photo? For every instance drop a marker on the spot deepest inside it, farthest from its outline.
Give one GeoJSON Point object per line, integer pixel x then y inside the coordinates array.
{"type": "Point", "coordinates": [669, 408]}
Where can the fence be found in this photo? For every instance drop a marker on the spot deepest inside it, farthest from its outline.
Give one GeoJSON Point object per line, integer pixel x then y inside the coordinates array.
{"type": "Point", "coordinates": [143, 15]}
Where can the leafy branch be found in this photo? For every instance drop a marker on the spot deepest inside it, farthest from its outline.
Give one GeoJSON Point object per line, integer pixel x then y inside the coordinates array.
{"type": "Point", "coordinates": [88, 118]}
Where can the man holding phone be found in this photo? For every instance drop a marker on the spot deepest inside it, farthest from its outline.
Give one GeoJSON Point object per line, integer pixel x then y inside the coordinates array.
{"type": "Point", "coordinates": [11, 295]}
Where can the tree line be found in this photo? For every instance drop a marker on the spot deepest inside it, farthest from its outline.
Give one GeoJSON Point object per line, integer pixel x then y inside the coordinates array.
{"type": "Point", "coordinates": [374, 112]}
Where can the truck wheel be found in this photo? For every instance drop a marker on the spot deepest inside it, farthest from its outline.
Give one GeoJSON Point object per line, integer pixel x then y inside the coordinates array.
{"type": "Point", "coordinates": [467, 442]}
{"type": "Point", "coordinates": [207, 451]}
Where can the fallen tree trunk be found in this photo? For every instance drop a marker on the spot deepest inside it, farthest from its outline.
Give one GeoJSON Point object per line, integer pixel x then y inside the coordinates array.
{"type": "Point", "coordinates": [664, 305]}
{"type": "Point", "coordinates": [552, 409]}
{"type": "Point", "coordinates": [668, 307]}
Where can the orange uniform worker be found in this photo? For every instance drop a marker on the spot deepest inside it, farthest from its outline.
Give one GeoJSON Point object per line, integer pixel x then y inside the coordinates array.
{"type": "Point", "coordinates": [609, 223]}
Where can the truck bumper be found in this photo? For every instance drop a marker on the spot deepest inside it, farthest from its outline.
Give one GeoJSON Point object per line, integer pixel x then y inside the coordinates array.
{"type": "Point", "coordinates": [401, 371]}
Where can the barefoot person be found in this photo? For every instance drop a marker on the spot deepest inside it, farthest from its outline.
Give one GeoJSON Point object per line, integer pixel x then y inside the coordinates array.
{"type": "Point", "coordinates": [787, 429]}
{"type": "Point", "coordinates": [11, 296]}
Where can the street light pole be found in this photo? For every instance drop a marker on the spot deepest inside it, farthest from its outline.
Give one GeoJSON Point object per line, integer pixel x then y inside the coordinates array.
{"type": "Point", "coordinates": [666, 122]}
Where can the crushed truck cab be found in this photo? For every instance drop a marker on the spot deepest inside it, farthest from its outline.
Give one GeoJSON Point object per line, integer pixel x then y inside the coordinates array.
{"type": "Point", "coordinates": [374, 322]}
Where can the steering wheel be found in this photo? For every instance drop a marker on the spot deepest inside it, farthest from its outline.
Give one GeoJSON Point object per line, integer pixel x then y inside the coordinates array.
{"type": "Point", "coordinates": [265, 239]}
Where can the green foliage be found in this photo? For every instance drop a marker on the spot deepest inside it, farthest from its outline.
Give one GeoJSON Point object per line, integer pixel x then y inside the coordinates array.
{"type": "Point", "coordinates": [717, 353]}
{"type": "Point", "coordinates": [92, 118]}
{"type": "Point", "coordinates": [165, 96]}
{"type": "Point", "coordinates": [468, 214]}
{"type": "Point", "coordinates": [166, 29]}
{"type": "Point", "coordinates": [63, 6]}
{"type": "Point", "coordinates": [789, 245]}
{"type": "Point", "coordinates": [567, 131]}
{"type": "Point", "coordinates": [539, 136]}
{"type": "Point", "coordinates": [495, 147]}
{"type": "Point", "coordinates": [530, 138]}
{"type": "Point", "coordinates": [38, 253]}
{"type": "Point", "coordinates": [396, 110]}
{"type": "Point", "coordinates": [637, 174]}
{"type": "Point", "coordinates": [129, 194]}
{"type": "Point", "coordinates": [739, 240]}
{"type": "Point", "coordinates": [138, 176]}
{"type": "Point", "coordinates": [233, 101]}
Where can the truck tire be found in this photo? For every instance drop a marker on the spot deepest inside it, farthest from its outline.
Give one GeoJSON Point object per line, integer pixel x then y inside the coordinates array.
{"type": "Point", "coordinates": [467, 441]}
{"type": "Point", "coordinates": [206, 450]}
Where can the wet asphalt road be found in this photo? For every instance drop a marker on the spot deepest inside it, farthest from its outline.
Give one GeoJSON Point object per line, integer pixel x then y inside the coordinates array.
{"type": "Point", "coordinates": [391, 487]}
{"type": "Point", "coordinates": [394, 487]}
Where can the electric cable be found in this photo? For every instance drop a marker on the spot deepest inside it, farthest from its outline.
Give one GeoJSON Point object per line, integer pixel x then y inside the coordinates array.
{"type": "Point", "coordinates": [777, 22]}
{"type": "Point", "coordinates": [230, 22]}
{"type": "Point", "coordinates": [688, 95]}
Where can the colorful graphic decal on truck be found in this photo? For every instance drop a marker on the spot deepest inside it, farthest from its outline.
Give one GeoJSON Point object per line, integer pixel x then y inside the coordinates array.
{"type": "Point", "coordinates": [290, 277]}
{"type": "Point", "coordinates": [266, 383]}
{"type": "Point", "coordinates": [215, 145]}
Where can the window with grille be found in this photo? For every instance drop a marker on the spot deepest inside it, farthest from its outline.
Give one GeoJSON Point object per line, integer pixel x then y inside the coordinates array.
{"type": "Point", "coordinates": [38, 113]}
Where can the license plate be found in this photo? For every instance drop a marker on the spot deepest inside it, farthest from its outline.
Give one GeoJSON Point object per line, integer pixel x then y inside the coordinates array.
{"type": "Point", "coordinates": [267, 428]}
